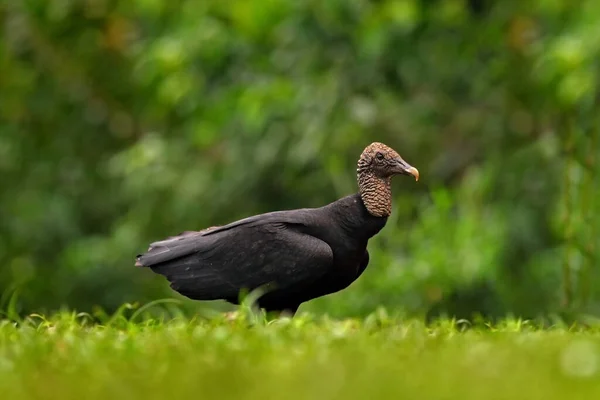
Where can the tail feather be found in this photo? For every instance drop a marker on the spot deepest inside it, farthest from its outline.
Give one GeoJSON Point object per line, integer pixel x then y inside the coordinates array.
{"type": "Point", "coordinates": [186, 278]}
{"type": "Point", "coordinates": [180, 260]}
{"type": "Point", "coordinates": [167, 245]}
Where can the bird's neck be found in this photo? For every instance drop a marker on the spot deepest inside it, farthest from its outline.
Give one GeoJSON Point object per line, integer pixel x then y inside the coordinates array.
{"type": "Point", "coordinates": [351, 214]}
{"type": "Point", "coordinates": [376, 194]}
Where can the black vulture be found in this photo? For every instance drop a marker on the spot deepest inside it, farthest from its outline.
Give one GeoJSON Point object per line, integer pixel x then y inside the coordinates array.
{"type": "Point", "coordinates": [293, 255]}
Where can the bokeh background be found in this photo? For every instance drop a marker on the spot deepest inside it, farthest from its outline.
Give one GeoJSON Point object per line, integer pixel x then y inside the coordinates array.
{"type": "Point", "coordinates": [123, 122]}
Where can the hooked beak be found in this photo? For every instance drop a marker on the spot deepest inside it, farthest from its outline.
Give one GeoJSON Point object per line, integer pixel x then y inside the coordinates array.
{"type": "Point", "coordinates": [407, 169]}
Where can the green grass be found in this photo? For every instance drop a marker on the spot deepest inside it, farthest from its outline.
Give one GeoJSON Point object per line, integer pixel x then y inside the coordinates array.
{"type": "Point", "coordinates": [67, 356]}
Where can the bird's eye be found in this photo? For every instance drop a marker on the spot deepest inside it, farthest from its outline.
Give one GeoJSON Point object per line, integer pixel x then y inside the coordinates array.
{"type": "Point", "coordinates": [379, 155]}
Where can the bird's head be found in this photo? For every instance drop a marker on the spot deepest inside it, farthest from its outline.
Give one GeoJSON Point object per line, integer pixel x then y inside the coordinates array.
{"type": "Point", "coordinates": [376, 166]}
{"type": "Point", "coordinates": [384, 162]}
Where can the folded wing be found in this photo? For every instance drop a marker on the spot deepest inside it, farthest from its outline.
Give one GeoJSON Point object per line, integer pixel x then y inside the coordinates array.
{"type": "Point", "coordinates": [274, 249]}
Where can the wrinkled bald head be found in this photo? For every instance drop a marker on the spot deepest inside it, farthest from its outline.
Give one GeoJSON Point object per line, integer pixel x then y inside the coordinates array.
{"type": "Point", "coordinates": [384, 162]}
{"type": "Point", "coordinates": [376, 166]}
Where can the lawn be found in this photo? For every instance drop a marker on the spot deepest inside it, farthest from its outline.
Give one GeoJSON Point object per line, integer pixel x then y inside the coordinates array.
{"type": "Point", "coordinates": [66, 357]}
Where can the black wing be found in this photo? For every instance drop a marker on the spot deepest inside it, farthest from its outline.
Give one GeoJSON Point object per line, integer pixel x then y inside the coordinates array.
{"type": "Point", "coordinates": [274, 249]}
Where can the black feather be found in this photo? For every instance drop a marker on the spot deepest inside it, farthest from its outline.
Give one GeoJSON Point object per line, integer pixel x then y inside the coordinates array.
{"type": "Point", "coordinates": [297, 255]}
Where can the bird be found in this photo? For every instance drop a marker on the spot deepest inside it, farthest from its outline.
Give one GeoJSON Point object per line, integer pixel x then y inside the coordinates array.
{"type": "Point", "coordinates": [290, 256]}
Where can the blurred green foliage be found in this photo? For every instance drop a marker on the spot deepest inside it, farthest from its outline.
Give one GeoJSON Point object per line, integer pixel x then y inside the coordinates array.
{"type": "Point", "coordinates": [122, 122]}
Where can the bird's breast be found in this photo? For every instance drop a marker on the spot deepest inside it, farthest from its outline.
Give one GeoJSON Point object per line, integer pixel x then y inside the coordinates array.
{"type": "Point", "coordinates": [347, 259]}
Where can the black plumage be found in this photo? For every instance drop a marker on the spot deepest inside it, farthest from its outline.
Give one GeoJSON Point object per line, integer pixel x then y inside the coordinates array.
{"type": "Point", "coordinates": [292, 255]}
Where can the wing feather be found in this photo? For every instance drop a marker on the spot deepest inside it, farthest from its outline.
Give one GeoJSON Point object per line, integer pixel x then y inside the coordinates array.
{"type": "Point", "coordinates": [273, 249]}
